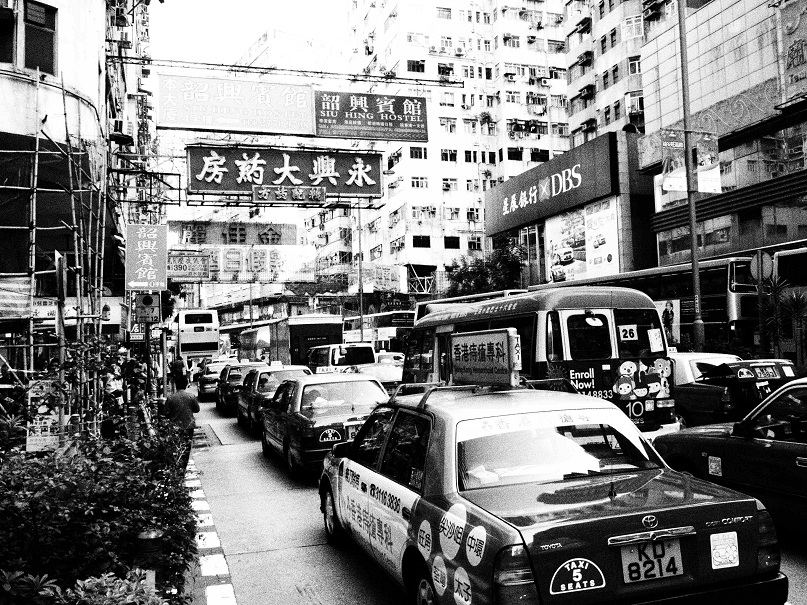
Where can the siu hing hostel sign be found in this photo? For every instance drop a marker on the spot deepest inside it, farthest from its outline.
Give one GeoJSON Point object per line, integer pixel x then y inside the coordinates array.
{"type": "Point", "coordinates": [348, 115]}
{"type": "Point", "coordinates": [234, 105]}
{"type": "Point", "coordinates": [146, 257]}
{"type": "Point", "coordinates": [238, 170]}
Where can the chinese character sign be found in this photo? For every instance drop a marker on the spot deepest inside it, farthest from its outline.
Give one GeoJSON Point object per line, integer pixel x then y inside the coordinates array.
{"type": "Point", "coordinates": [369, 116]}
{"type": "Point", "coordinates": [487, 357]}
{"type": "Point", "coordinates": [245, 170]}
{"type": "Point", "coordinates": [146, 257]}
{"type": "Point", "coordinates": [234, 105]}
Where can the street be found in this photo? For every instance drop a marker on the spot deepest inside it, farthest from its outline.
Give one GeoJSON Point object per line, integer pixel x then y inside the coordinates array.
{"type": "Point", "coordinates": [270, 531]}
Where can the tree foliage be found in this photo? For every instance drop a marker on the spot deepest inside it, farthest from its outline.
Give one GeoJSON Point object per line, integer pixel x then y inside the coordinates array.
{"type": "Point", "coordinates": [500, 270]}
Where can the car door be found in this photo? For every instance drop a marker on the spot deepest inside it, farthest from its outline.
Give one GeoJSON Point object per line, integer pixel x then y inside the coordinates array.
{"type": "Point", "coordinates": [274, 414]}
{"type": "Point", "coordinates": [769, 457]}
{"type": "Point", "coordinates": [357, 472]}
{"type": "Point", "coordinates": [245, 392]}
{"type": "Point", "coordinates": [397, 487]}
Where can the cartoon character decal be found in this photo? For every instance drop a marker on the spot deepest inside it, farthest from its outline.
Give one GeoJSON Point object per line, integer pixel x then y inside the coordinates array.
{"type": "Point", "coordinates": [636, 380]}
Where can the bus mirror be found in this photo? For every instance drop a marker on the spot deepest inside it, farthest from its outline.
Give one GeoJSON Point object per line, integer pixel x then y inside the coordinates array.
{"type": "Point", "coordinates": [591, 320]}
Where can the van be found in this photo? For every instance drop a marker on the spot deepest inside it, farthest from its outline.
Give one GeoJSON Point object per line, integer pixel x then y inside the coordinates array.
{"type": "Point", "coordinates": [354, 357]}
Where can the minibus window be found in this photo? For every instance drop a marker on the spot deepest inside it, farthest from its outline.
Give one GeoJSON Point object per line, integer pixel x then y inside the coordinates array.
{"type": "Point", "coordinates": [589, 336]}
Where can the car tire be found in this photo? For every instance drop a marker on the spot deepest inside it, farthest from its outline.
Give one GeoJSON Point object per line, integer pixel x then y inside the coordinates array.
{"type": "Point", "coordinates": [265, 449]}
{"type": "Point", "coordinates": [422, 591]}
{"type": "Point", "coordinates": [334, 533]}
{"type": "Point", "coordinates": [239, 417]}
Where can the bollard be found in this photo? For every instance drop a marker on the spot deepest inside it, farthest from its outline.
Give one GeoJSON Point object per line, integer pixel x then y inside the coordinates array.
{"type": "Point", "coordinates": [149, 547]}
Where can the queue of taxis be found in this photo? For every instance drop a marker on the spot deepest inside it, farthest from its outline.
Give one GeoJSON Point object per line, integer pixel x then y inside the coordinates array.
{"type": "Point", "coordinates": [505, 494]}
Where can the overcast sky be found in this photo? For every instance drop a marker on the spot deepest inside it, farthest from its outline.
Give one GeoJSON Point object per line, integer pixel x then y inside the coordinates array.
{"type": "Point", "coordinates": [220, 31]}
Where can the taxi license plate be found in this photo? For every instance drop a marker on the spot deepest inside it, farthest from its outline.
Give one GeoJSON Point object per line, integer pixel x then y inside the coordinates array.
{"type": "Point", "coordinates": [651, 560]}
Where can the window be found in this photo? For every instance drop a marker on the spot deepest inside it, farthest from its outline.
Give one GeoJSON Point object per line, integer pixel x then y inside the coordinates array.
{"type": "Point", "coordinates": [6, 36]}
{"type": "Point", "coordinates": [635, 101]}
{"type": "Point", "coordinates": [448, 155]}
{"type": "Point", "coordinates": [446, 42]}
{"type": "Point", "coordinates": [634, 66]}
{"type": "Point", "coordinates": [472, 184]}
{"type": "Point", "coordinates": [607, 115]}
{"type": "Point", "coordinates": [486, 45]}
{"type": "Point", "coordinates": [416, 66]}
{"type": "Point", "coordinates": [453, 214]}
{"type": "Point", "coordinates": [601, 9]}
{"type": "Point", "coordinates": [589, 336]}
{"type": "Point", "coordinates": [40, 37]}
{"type": "Point", "coordinates": [452, 242]}
{"type": "Point", "coordinates": [512, 42]}
{"type": "Point", "coordinates": [375, 253]}
{"type": "Point", "coordinates": [472, 214]}
{"type": "Point", "coordinates": [449, 125]}
{"type": "Point", "coordinates": [512, 96]}
{"type": "Point", "coordinates": [421, 241]}
{"type": "Point", "coordinates": [612, 35]}
{"type": "Point", "coordinates": [617, 110]}
{"type": "Point", "coordinates": [603, 45]}
{"type": "Point", "coordinates": [469, 126]}
{"type": "Point", "coordinates": [540, 155]}
{"type": "Point", "coordinates": [470, 156]}
{"type": "Point", "coordinates": [450, 185]}
{"type": "Point", "coordinates": [371, 436]}
{"type": "Point", "coordinates": [605, 80]}
{"type": "Point", "coordinates": [405, 455]}
{"type": "Point", "coordinates": [443, 13]}
{"type": "Point", "coordinates": [447, 99]}
{"type": "Point", "coordinates": [417, 153]}
{"type": "Point", "coordinates": [615, 73]}
{"type": "Point", "coordinates": [475, 243]}
{"type": "Point", "coordinates": [515, 153]}
{"type": "Point", "coordinates": [632, 27]}
{"type": "Point", "coordinates": [419, 182]}
{"type": "Point", "coordinates": [486, 18]}
{"type": "Point", "coordinates": [635, 344]}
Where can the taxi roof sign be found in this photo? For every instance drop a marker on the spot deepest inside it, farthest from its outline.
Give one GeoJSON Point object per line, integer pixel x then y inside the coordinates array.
{"type": "Point", "coordinates": [488, 357]}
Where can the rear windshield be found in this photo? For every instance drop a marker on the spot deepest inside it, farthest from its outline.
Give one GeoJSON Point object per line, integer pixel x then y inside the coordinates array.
{"type": "Point", "coordinates": [198, 318]}
{"type": "Point", "coordinates": [341, 398]}
{"type": "Point", "coordinates": [543, 447]}
{"type": "Point", "coordinates": [350, 356]}
{"type": "Point", "coordinates": [268, 381]}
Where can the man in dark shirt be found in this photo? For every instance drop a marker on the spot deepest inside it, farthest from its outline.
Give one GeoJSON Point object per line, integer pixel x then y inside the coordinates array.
{"type": "Point", "coordinates": [179, 373]}
{"type": "Point", "coordinates": [179, 409]}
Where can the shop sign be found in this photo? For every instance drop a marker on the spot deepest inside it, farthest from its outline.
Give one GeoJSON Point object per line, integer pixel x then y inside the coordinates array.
{"type": "Point", "coordinates": [347, 115]}
{"type": "Point", "coordinates": [146, 257]}
{"type": "Point", "coordinates": [188, 266]}
{"type": "Point", "coordinates": [580, 175]}
{"type": "Point", "coordinates": [490, 357]}
{"type": "Point", "coordinates": [237, 170]}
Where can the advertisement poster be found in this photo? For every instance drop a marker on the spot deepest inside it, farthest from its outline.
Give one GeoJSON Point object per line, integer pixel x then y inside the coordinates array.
{"type": "Point", "coordinates": [670, 312]}
{"type": "Point", "coordinates": [582, 243]}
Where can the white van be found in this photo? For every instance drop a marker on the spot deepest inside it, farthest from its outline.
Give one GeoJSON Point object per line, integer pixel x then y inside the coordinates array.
{"type": "Point", "coordinates": [353, 357]}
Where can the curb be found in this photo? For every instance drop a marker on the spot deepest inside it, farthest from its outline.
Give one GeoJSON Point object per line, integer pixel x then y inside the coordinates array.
{"type": "Point", "coordinates": [208, 579]}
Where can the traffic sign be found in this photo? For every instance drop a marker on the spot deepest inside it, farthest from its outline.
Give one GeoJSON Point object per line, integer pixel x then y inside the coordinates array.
{"type": "Point", "coordinates": [147, 308]}
{"type": "Point", "coordinates": [146, 257]}
{"type": "Point", "coordinates": [764, 262]}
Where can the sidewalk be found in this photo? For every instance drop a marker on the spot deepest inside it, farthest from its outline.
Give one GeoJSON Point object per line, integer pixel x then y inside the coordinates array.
{"type": "Point", "coordinates": [207, 580]}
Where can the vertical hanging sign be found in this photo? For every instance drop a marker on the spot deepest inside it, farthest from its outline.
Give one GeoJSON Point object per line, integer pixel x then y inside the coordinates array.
{"type": "Point", "coordinates": [146, 257]}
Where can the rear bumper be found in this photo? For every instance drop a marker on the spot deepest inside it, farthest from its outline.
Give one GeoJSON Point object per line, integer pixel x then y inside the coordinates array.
{"type": "Point", "coordinates": [207, 388]}
{"type": "Point", "coordinates": [768, 591]}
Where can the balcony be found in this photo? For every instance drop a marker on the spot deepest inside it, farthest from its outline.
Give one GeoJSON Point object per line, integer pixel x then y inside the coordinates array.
{"type": "Point", "coordinates": [587, 91]}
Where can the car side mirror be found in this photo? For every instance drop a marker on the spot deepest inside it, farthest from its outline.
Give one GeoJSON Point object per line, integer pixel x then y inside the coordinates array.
{"type": "Point", "coordinates": [741, 429]}
{"type": "Point", "coordinates": [343, 450]}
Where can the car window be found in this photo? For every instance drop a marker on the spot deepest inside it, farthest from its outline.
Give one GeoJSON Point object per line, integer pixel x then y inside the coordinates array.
{"type": "Point", "coordinates": [589, 336]}
{"type": "Point", "coordinates": [545, 447]}
{"type": "Point", "coordinates": [281, 399]}
{"type": "Point", "coordinates": [638, 332]}
{"type": "Point", "coordinates": [370, 438]}
{"type": "Point", "coordinates": [349, 356]}
{"type": "Point", "coordinates": [785, 417]}
{"type": "Point", "coordinates": [266, 383]}
{"type": "Point", "coordinates": [235, 375]}
{"type": "Point", "coordinates": [405, 454]}
{"type": "Point", "coordinates": [340, 398]}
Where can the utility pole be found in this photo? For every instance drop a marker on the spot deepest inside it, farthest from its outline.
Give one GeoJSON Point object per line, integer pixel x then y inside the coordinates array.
{"type": "Point", "coordinates": [691, 180]}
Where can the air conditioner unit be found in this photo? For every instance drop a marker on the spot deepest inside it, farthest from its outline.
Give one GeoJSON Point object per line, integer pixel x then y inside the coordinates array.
{"type": "Point", "coordinates": [465, 106]}
{"type": "Point", "coordinates": [446, 187]}
{"type": "Point", "coordinates": [459, 52]}
{"type": "Point", "coordinates": [393, 184]}
{"type": "Point", "coordinates": [442, 49]}
{"type": "Point", "coordinates": [558, 18]}
{"type": "Point", "coordinates": [510, 77]}
{"type": "Point", "coordinates": [545, 81]}
{"type": "Point", "coordinates": [432, 49]}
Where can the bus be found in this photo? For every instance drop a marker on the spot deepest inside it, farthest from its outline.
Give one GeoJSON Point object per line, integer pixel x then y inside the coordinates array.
{"type": "Point", "coordinates": [288, 339]}
{"type": "Point", "coordinates": [386, 331]}
{"type": "Point", "coordinates": [728, 298]}
{"type": "Point", "coordinates": [196, 335]}
{"type": "Point", "coordinates": [607, 342]}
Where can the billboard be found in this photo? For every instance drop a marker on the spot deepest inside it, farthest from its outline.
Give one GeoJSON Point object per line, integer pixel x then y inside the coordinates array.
{"type": "Point", "coordinates": [348, 115]}
{"type": "Point", "coordinates": [257, 264]}
{"type": "Point", "coordinates": [236, 170]}
{"type": "Point", "coordinates": [583, 242]}
{"type": "Point", "coordinates": [188, 266]}
{"type": "Point", "coordinates": [580, 175]}
{"type": "Point", "coordinates": [146, 257]}
{"type": "Point", "coordinates": [233, 105]}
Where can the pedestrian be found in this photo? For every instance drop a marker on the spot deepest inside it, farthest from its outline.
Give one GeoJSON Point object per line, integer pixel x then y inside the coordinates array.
{"type": "Point", "coordinates": [179, 409]}
{"type": "Point", "coordinates": [179, 374]}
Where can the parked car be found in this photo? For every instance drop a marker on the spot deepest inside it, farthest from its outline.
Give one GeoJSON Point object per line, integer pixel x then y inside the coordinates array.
{"type": "Point", "coordinates": [563, 256]}
{"type": "Point", "coordinates": [258, 387]}
{"type": "Point", "coordinates": [209, 380]}
{"type": "Point", "coordinates": [230, 382]}
{"type": "Point", "coordinates": [717, 387]}
{"type": "Point", "coordinates": [764, 454]}
{"type": "Point", "coordinates": [309, 414]}
{"type": "Point", "coordinates": [524, 496]}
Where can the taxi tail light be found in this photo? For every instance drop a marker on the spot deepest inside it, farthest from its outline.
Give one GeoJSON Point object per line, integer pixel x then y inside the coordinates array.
{"type": "Point", "coordinates": [725, 400]}
{"type": "Point", "coordinates": [512, 577]}
{"type": "Point", "coordinates": [768, 555]}
{"type": "Point", "coordinates": [665, 403]}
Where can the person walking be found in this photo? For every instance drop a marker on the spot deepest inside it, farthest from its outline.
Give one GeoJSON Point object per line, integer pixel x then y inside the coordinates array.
{"type": "Point", "coordinates": [179, 373]}
{"type": "Point", "coordinates": [179, 409]}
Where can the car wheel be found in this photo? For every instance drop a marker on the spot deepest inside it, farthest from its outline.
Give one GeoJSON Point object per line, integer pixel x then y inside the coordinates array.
{"type": "Point", "coordinates": [422, 589]}
{"type": "Point", "coordinates": [265, 444]}
{"type": "Point", "coordinates": [239, 417]}
{"type": "Point", "coordinates": [333, 529]}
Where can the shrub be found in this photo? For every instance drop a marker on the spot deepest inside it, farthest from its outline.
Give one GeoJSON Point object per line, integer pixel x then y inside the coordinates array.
{"type": "Point", "coordinates": [76, 517]}
{"type": "Point", "coordinates": [23, 589]}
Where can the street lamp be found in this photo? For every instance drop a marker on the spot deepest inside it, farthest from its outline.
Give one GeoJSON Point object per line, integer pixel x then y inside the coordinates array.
{"type": "Point", "coordinates": [691, 181]}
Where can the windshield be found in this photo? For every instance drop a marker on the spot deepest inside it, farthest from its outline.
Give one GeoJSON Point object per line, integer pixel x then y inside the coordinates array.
{"type": "Point", "coordinates": [638, 332]}
{"type": "Point", "coordinates": [350, 356]}
{"type": "Point", "coordinates": [543, 447]}
{"type": "Point", "coordinates": [589, 336]}
{"type": "Point", "coordinates": [268, 381]}
{"type": "Point", "coordinates": [341, 398]}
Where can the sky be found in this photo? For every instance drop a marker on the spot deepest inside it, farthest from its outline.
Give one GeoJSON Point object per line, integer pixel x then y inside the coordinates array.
{"type": "Point", "coordinates": [220, 31]}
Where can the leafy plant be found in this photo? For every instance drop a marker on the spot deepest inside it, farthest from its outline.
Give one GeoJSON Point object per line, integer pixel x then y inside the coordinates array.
{"type": "Point", "coordinates": [501, 270]}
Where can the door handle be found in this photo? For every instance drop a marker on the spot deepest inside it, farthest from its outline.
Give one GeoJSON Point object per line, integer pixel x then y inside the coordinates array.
{"type": "Point", "coordinates": [406, 513]}
{"type": "Point", "coordinates": [802, 462]}
{"type": "Point", "coordinates": [364, 487]}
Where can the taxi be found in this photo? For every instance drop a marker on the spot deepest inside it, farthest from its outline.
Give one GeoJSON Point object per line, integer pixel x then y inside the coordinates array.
{"type": "Point", "coordinates": [505, 494]}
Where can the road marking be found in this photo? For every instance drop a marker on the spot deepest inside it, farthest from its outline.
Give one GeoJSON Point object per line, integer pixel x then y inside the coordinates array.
{"type": "Point", "coordinates": [204, 519]}
{"type": "Point", "coordinates": [198, 505]}
{"type": "Point", "coordinates": [208, 539]}
{"type": "Point", "coordinates": [220, 594]}
{"type": "Point", "coordinates": [214, 565]}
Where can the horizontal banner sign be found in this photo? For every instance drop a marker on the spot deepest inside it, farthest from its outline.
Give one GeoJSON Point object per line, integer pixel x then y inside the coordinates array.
{"type": "Point", "coordinates": [184, 266]}
{"type": "Point", "coordinates": [283, 194]}
{"type": "Point", "coordinates": [234, 105]}
{"type": "Point", "coordinates": [347, 115]}
{"type": "Point", "coordinates": [236, 170]}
